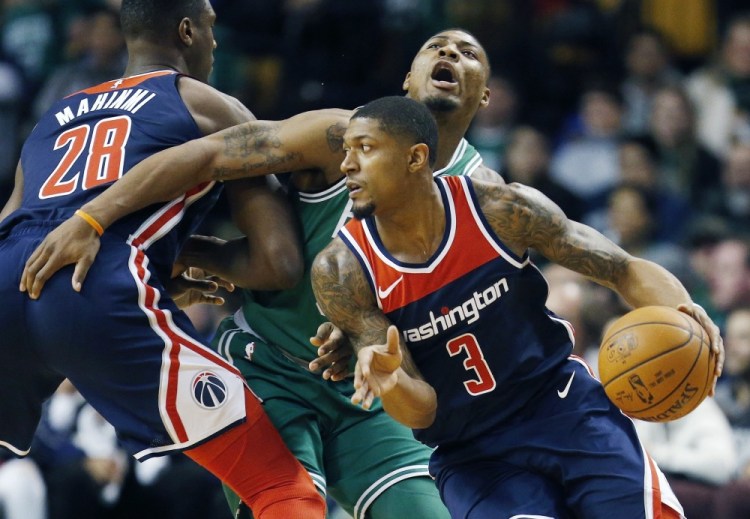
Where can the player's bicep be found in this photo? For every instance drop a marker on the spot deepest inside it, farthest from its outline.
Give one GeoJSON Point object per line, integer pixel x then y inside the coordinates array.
{"type": "Point", "coordinates": [345, 296]}
{"type": "Point", "coordinates": [525, 218]}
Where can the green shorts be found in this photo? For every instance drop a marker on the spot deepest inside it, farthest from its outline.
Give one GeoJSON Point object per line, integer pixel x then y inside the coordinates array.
{"type": "Point", "coordinates": [352, 454]}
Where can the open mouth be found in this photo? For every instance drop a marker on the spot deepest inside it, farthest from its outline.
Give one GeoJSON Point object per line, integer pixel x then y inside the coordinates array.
{"type": "Point", "coordinates": [443, 75]}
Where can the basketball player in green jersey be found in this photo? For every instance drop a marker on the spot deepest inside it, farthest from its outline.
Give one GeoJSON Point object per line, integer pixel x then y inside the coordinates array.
{"type": "Point", "coordinates": [371, 465]}
{"type": "Point", "coordinates": [367, 462]}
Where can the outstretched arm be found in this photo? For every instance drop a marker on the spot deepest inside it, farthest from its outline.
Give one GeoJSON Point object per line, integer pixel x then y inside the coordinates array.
{"type": "Point", "coordinates": [523, 217]}
{"type": "Point", "coordinates": [384, 367]}
{"type": "Point", "coordinates": [246, 150]}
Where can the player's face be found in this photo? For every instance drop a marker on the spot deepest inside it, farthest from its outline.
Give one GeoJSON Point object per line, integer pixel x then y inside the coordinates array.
{"type": "Point", "coordinates": [374, 165]}
{"type": "Point", "coordinates": [201, 55]}
{"type": "Point", "coordinates": [449, 72]}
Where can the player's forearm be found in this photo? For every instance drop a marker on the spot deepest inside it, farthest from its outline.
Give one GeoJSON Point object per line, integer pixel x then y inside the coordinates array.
{"type": "Point", "coordinates": [646, 283]}
{"type": "Point", "coordinates": [411, 402]}
{"type": "Point", "coordinates": [159, 178]}
{"type": "Point", "coordinates": [233, 261]}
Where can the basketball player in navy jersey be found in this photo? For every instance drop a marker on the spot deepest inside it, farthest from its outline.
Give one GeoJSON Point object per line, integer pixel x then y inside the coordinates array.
{"type": "Point", "coordinates": [330, 435]}
{"type": "Point", "coordinates": [122, 340]}
{"type": "Point", "coordinates": [433, 284]}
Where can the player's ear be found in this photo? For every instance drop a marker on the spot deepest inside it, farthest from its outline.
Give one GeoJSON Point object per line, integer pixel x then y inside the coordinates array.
{"type": "Point", "coordinates": [185, 31]}
{"type": "Point", "coordinates": [485, 97]}
{"type": "Point", "coordinates": [419, 156]}
{"type": "Point", "coordinates": [405, 85]}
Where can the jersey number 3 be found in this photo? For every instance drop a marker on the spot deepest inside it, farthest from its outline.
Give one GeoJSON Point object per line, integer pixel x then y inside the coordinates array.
{"type": "Point", "coordinates": [485, 381]}
{"type": "Point", "coordinates": [105, 147]}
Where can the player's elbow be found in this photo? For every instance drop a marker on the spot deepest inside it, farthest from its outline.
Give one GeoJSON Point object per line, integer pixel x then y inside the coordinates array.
{"type": "Point", "coordinates": [287, 272]}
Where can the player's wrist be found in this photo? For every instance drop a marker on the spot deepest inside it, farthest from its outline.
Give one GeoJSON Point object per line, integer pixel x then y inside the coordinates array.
{"type": "Point", "coordinates": [89, 219]}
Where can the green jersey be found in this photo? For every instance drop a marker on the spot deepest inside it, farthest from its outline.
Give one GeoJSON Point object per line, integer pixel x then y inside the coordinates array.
{"type": "Point", "coordinates": [288, 318]}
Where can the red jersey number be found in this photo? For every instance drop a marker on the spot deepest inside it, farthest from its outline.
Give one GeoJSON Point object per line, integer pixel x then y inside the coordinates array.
{"type": "Point", "coordinates": [104, 162]}
{"type": "Point", "coordinates": [484, 381]}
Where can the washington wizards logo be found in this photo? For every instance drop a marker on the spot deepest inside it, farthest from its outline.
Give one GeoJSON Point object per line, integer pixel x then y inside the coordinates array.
{"type": "Point", "coordinates": [209, 391]}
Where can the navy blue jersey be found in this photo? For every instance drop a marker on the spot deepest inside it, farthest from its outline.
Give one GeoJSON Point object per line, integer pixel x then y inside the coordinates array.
{"type": "Point", "coordinates": [473, 317]}
{"type": "Point", "coordinates": [122, 341]}
{"type": "Point", "coordinates": [89, 139]}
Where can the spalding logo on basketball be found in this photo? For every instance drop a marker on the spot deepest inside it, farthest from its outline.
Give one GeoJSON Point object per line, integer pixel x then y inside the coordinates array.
{"type": "Point", "coordinates": [656, 364]}
{"type": "Point", "coordinates": [209, 391]}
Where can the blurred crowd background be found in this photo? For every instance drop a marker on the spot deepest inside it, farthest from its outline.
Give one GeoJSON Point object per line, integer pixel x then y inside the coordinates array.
{"type": "Point", "coordinates": [632, 115]}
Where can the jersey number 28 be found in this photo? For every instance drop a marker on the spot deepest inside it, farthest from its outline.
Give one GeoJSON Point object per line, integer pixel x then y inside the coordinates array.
{"type": "Point", "coordinates": [105, 147]}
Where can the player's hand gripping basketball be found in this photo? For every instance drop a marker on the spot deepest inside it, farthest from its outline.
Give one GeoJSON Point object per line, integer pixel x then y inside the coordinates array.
{"type": "Point", "coordinates": [376, 371]}
{"type": "Point", "coordinates": [717, 343]}
{"type": "Point", "coordinates": [73, 242]}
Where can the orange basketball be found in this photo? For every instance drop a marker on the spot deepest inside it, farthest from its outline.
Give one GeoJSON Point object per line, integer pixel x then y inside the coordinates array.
{"type": "Point", "coordinates": [655, 363]}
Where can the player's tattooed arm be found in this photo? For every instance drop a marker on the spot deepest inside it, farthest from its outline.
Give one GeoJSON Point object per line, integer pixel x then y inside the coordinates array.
{"type": "Point", "coordinates": [523, 217]}
{"type": "Point", "coordinates": [311, 140]}
{"type": "Point", "coordinates": [345, 297]}
{"type": "Point", "coordinates": [384, 367]}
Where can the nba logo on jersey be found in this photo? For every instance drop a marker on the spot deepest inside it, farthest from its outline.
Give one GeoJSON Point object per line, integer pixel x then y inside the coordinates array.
{"type": "Point", "coordinates": [209, 390]}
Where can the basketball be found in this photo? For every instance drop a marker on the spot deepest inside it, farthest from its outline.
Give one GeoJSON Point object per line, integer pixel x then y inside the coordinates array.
{"type": "Point", "coordinates": [655, 363]}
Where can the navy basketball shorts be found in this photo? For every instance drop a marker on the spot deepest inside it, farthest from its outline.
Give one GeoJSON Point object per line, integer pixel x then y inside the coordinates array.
{"type": "Point", "coordinates": [122, 342]}
{"type": "Point", "coordinates": [572, 454]}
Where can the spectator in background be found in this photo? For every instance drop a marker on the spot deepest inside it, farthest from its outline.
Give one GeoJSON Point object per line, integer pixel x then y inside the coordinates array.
{"type": "Point", "coordinates": [28, 38]}
{"type": "Point", "coordinates": [492, 126]}
{"type": "Point", "coordinates": [731, 199]}
{"type": "Point", "coordinates": [12, 96]}
{"type": "Point", "coordinates": [696, 453]}
{"type": "Point", "coordinates": [633, 225]}
{"type": "Point", "coordinates": [729, 277]}
{"type": "Point", "coordinates": [527, 161]}
{"type": "Point", "coordinates": [638, 159]}
{"type": "Point", "coordinates": [103, 59]}
{"type": "Point", "coordinates": [586, 161]}
{"type": "Point", "coordinates": [647, 66]}
{"type": "Point", "coordinates": [733, 396]}
{"type": "Point", "coordinates": [721, 90]}
{"type": "Point", "coordinates": [587, 306]}
{"type": "Point", "coordinates": [686, 167]}
{"type": "Point", "coordinates": [23, 493]}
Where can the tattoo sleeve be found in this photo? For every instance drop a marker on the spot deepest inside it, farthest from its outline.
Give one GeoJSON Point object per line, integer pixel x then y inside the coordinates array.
{"type": "Point", "coordinates": [253, 148]}
{"type": "Point", "coordinates": [523, 217]}
{"type": "Point", "coordinates": [345, 297]}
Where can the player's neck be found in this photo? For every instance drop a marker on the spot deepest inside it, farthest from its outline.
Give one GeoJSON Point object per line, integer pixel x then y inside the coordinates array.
{"type": "Point", "coordinates": [450, 133]}
{"type": "Point", "coordinates": [413, 232]}
{"type": "Point", "coordinates": [144, 57]}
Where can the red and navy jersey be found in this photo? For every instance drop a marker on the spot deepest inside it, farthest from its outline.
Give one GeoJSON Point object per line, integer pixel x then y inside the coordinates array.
{"type": "Point", "coordinates": [89, 139]}
{"type": "Point", "coordinates": [473, 317]}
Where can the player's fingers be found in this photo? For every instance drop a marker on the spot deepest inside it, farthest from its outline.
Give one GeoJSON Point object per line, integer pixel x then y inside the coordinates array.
{"type": "Point", "coordinates": [32, 266]}
{"type": "Point", "coordinates": [339, 370]}
{"type": "Point", "coordinates": [392, 342]}
{"type": "Point", "coordinates": [39, 280]}
{"type": "Point", "coordinates": [81, 270]}
{"type": "Point", "coordinates": [322, 334]}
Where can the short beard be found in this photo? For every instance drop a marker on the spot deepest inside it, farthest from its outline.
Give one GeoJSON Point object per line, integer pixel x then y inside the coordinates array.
{"type": "Point", "coordinates": [363, 211]}
{"type": "Point", "coordinates": [440, 104]}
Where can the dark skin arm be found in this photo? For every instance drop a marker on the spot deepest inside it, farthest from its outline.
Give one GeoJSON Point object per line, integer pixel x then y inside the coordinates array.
{"type": "Point", "coordinates": [524, 218]}
{"type": "Point", "coordinates": [161, 177]}
{"type": "Point", "coordinates": [384, 366]}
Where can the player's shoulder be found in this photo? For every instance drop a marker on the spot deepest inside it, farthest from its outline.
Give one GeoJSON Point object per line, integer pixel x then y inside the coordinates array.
{"type": "Point", "coordinates": [212, 109]}
{"type": "Point", "coordinates": [333, 260]}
